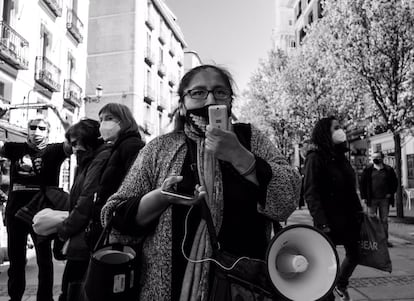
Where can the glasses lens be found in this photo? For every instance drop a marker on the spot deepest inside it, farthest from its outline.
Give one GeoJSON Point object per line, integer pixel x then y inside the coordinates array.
{"type": "Point", "coordinates": [221, 93]}
{"type": "Point", "coordinates": [33, 127]}
{"type": "Point", "coordinates": [198, 94]}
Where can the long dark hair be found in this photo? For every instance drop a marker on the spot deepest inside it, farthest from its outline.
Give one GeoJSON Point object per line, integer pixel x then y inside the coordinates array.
{"type": "Point", "coordinates": [86, 131]}
{"type": "Point", "coordinates": [124, 115]}
{"type": "Point", "coordinates": [322, 136]}
{"type": "Point", "coordinates": [185, 81]}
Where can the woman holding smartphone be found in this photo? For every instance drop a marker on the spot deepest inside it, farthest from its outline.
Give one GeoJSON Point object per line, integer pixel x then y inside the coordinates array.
{"type": "Point", "coordinates": [244, 179]}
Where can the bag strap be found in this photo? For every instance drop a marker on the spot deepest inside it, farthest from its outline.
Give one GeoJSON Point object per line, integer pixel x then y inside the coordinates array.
{"type": "Point", "coordinates": [205, 211]}
{"type": "Point", "coordinates": [104, 237]}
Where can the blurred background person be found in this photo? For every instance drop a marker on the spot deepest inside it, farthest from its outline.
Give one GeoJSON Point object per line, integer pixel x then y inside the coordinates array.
{"type": "Point", "coordinates": [330, 192]}
{"type": "Point", "coordinates": [377, 187]}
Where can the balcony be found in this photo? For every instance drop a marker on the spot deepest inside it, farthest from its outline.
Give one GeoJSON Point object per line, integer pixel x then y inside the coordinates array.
{"type": "Point", "coordinates": [150, 21]}
{"type": "Point", "coordinates": [171, 51]}
{"type": "Point", "coordinates": [149, 95]}
{"type": "Point", "coordinates": [149, 57]}
{"type": "Point", "coordinates": [148, 127]}
{"type": "Point", "coordinates": [47, 74]}
{"type": "Point", "coordinates": [163, 36]}
{"type": "Point", "coordinates": [55, 6]}
{"type": "Point", "coordinates": [161, 70]}
{"type": "Point", "coordinates": [72, 92]}
{"type": "Point", "coordinates": [74, 26]}
{"type": "Point", "coordinates": [13, 48]}
{"type": "Point", "coordinates": [161, 103]}
{"type": "Point", "coordinates": [172, 80]}
{"type": "Point", "coordinates": [180, 60]}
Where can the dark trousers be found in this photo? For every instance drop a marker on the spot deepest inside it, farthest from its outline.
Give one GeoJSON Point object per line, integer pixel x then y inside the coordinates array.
{"type": "Point", "coordinates": [17, 233]}
{"type": "Point", "coordinates": [347, 267]}
{"type": "Point", "coordinates": [72, 276]}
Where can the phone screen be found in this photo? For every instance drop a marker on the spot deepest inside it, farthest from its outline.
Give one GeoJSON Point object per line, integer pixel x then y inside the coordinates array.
{"type": "Point", "coordinates": [175, 190]}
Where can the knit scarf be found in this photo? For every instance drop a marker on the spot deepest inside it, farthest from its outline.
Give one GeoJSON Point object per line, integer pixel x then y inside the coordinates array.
{"type": "Point", "coordinates": [195, 282]}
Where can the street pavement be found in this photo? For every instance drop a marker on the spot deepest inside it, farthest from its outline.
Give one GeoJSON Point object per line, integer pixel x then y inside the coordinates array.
{"type": "Point", "coordinates": [365, 284]}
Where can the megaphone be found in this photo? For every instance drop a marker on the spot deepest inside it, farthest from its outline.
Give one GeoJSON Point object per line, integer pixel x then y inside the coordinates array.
{"type": "Point", "coordinates": [302, 263]}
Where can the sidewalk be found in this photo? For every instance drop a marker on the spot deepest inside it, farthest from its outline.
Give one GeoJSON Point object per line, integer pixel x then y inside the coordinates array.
{"type": "Point", "coordinates": [371, 284]}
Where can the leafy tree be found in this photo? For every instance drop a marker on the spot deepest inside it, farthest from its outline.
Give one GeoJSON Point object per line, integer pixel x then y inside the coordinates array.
{"type": "Point", "coordinates": [374, 41]}
{"type": "Point", "coordinates": [263, 104]}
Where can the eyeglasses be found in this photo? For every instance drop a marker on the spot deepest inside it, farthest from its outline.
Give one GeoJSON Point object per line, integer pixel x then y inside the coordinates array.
{"type": "Point", "coordinates": [202, 94]}
{"type": "Point", "coordinates": [73, 143]}
{"type": "Point", "coordinates": [34, 127]}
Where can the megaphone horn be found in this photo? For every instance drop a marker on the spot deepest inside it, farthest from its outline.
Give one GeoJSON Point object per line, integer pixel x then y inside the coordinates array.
{"type": "Point", "coordinates": [302, 263]}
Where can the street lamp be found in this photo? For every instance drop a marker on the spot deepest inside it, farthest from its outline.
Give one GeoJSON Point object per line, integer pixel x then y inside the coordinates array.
{"type": "Point", "coordinates": [98, 95]}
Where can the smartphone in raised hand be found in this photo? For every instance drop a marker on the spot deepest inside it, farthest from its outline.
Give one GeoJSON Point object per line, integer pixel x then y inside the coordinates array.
{"type": "Point", "coordinates": [218, 116]}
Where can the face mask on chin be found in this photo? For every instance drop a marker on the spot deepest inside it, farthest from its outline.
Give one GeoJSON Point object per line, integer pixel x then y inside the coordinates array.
{"type": "Point", "coordinates": [109, 130]}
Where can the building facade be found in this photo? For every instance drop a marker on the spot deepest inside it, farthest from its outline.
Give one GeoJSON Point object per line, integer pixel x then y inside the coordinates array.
{"type": "Point", "coordinates": [305, 12]}
{"type": "Point", "coordinates": [42, 61]}
{"type": "Point", "coordinates": [136, 52]}
{"type": "Point", "coordinates": [283, 35]}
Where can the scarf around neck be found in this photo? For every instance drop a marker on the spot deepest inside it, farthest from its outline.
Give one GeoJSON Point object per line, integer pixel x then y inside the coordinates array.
{"type": "Point", "coordinates": [195, 281]}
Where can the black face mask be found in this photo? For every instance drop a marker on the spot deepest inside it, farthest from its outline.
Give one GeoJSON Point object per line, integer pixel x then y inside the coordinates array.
{"type": "Point", "coordinates": [201, 112]}
{"type": "Point", "coordinates": [377, 161]}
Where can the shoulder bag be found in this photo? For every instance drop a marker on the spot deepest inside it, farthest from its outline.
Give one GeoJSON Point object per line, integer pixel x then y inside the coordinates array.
{"type": "Point", "coordinates": [112, 273]}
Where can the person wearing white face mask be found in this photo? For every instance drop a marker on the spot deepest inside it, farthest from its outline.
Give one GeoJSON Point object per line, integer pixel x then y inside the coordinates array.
{"type": "Point", "coordinates": [118, 128]}
{"type": "Point", "coordinates": [378, 185]}
{"type": "Point", "coordinates": [330, 192]}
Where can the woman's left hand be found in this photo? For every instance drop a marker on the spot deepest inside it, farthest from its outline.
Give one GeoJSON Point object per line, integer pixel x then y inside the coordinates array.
{"type": "Point", "coordinates": [45, 222]}
{"type": "Point", "coordinates": [224, 144]}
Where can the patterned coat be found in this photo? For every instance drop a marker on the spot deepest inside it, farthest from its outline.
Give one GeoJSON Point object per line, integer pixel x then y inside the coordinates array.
{"type": "Point", "coordinates": [164, 156]}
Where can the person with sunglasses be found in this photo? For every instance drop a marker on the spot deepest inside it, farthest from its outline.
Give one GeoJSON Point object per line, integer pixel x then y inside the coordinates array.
{"type": "Point", "coordinates": [243, 177]}
{"type": "Point", "coordinates": [34, 163]}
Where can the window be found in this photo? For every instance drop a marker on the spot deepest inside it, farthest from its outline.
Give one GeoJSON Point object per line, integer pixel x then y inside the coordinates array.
{"type": "Point", "coordinates": [8, 11]}
{"type": "Point", "coordinates": [299, 9]}
{"type": "Point", "coordinates": [410, 170]}
{"type": "Point", "coordinates": [310, 18]}
{"type": "Point", "coordinates": [71, 66]}
{"type": "Point", "coordinates": [45, 41]}
{"type": "Point", "coordinates": [377, 147]}
{"type": "Point", "coordinates": [161, 55]}
{"type": "Point", "coordinates": [290, 22]}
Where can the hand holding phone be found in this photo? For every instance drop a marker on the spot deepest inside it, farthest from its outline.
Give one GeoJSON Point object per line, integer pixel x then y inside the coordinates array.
{"type": "Point", "coordinates": [171, 191]}
{"type": "Point", "coordinates": [218, 116]}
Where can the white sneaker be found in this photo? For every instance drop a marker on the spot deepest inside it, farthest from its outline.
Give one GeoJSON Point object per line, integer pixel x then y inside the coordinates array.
{"type": "Point", "coordinates": [342, 294]}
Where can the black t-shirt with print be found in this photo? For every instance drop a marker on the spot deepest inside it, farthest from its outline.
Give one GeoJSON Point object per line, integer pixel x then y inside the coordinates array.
{"type": "Point", "coordinates": [31, 167]}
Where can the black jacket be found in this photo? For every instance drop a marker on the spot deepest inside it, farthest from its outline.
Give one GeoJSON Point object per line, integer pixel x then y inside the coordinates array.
{"type": "Point", "coordinates": [365, 186]}
{"type": "Point", "coordinates": [330, 192]}
{"type": "Point", "coordinates": [82, 196]}
{"type": "Point", "coordinates": [123, 155]}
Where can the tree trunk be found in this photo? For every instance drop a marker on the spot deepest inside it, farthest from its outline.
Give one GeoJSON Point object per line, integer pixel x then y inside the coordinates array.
{"type": "Point", "coordinates": [397, 150]}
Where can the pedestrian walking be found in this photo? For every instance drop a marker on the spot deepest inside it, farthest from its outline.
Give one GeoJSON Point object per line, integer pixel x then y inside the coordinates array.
{"type": "Point", "coordinates": [244, 179]}
{"type": "Point", "coordinates": [330, 192]}
{"type": "Point", "coordinates": [33, 164]}
{"type": "Point", "coordinates": [377, 187]}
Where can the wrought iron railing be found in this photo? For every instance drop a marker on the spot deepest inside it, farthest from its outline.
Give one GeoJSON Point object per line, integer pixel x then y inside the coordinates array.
{"type": "Point", "coordinates": [14, 49]}
{"type": "Point", "coordinates": [74, 25]}
{"type": "Point", "coordinates": [47, 74]}
{"type": "Point", "coordinates": [72, 92]}
{"type": "Point", "coordinates": [55, 6]}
